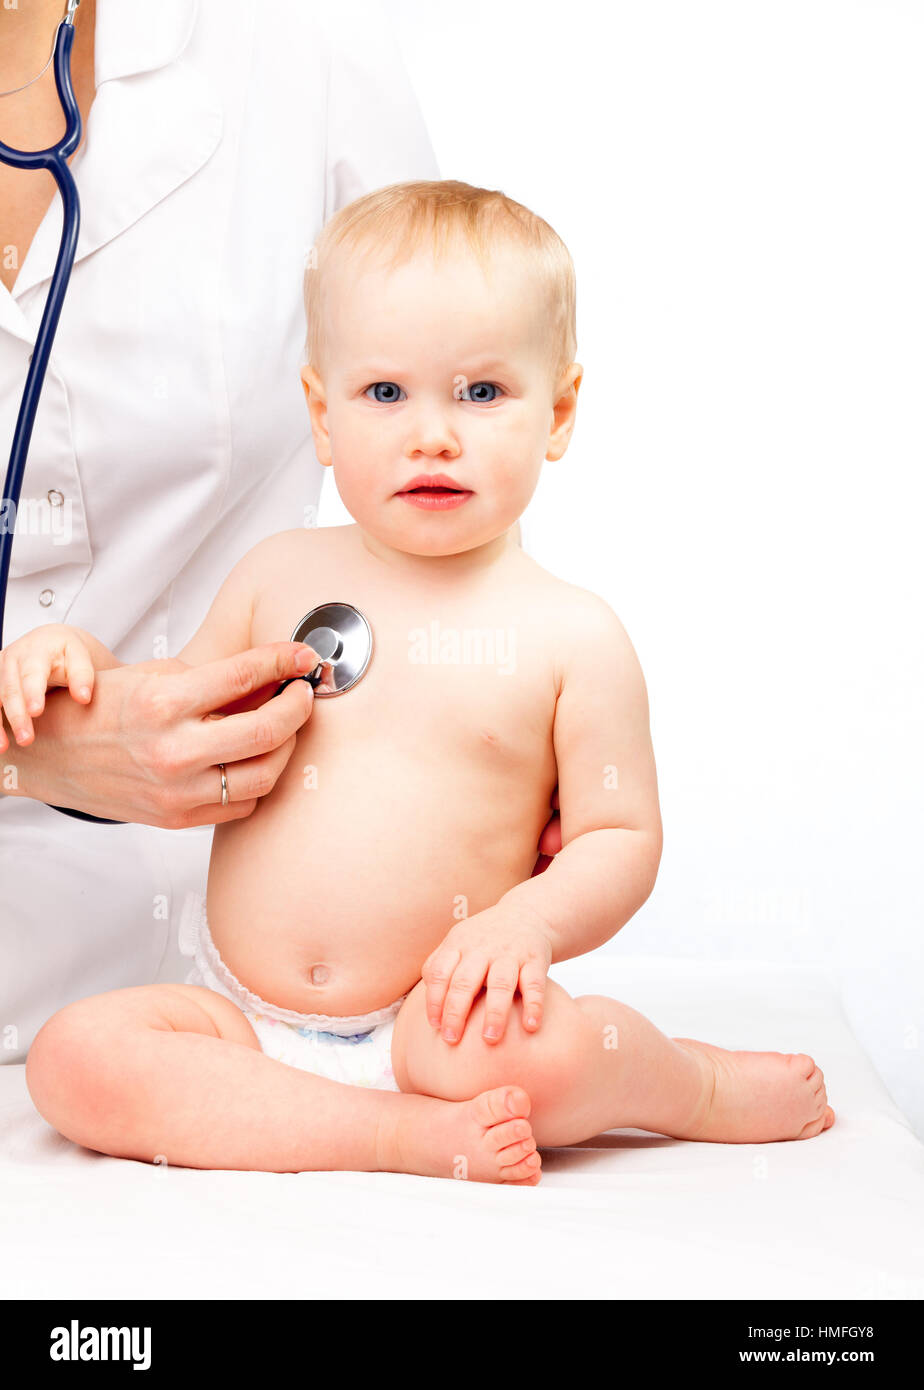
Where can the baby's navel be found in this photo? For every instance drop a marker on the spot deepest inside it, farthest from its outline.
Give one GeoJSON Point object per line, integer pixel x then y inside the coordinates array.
{"type": "Point", "coordinates": [319, 974]}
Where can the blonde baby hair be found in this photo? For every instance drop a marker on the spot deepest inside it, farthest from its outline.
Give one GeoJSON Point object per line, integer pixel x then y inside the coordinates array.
{"type": "Point", "coordinates": [395, 222]}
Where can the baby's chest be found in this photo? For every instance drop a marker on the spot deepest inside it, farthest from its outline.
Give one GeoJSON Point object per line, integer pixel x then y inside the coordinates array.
{"type": "Point", "coordinates": [471, 684]}
{"type": "Point", "coordinates": [445, 694]}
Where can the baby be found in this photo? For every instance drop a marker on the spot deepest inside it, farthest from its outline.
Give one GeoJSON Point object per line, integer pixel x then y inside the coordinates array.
{"type": "Point", "coordinates": [371, 988]}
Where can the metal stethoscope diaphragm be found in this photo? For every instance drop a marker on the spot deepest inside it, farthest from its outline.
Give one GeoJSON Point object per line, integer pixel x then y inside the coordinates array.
{"type": "Point", "coordinates": [342, 638]}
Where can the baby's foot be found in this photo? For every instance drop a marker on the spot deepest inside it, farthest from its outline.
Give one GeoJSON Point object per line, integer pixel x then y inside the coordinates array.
{"type": "Point", "coordinates": [486, 1139]}
{"type": "Point", "coordinates": [757, 1097]}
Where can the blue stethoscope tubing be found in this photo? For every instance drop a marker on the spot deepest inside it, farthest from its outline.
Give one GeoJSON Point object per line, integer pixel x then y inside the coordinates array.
{"type": "Point", "coordinates": [55, 160]}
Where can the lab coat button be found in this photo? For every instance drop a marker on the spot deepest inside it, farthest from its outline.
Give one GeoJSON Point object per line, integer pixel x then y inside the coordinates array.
{"type": "Point", "coordinates": [55, 497]}
{"type": "Point", "coordinates": [47, 597]}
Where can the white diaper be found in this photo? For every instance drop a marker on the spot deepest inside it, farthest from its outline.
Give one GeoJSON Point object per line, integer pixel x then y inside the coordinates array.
{"type": "Point", "coordinates": [355, 1049]}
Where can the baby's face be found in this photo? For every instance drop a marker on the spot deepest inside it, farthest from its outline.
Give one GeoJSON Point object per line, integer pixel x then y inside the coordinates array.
{"type": "Point", "coordinates": [434, 372]}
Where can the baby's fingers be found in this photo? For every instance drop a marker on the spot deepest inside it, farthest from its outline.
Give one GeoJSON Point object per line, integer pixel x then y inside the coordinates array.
{"type": "Point", "coordinates": [34, 676]}
{"type": "Point", "coordinates": [13, 700]}
{"type": "Point", "coordinates": [533, 978]}
{"type": "Point", "coordinates": [502, 981]}
{"type": "Point", "coordinates": [436, 974]}
{"type": "Point", "coordinates": [80, 671]}
{"type": "Point", "coordinates": [467, 979]}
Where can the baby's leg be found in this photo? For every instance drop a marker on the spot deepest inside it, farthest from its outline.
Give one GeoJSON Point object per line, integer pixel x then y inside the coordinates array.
{"type": "Point", "coordinates": [596, 1064]}
{"type": "Point", "coordinates": [175, 1074]}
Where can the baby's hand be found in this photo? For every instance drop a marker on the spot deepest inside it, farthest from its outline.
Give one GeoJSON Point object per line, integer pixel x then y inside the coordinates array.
{"type": "Point", "coordinates": [46, 656]}
{"type": "Point", "coordinates": [499, 947]}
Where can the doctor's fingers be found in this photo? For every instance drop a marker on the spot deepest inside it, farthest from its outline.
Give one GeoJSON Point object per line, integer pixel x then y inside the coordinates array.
{"type": "Point", "coordinates": [252, 733]}
{"type": "Point", "coordinates": [247, 781]}
{"type": "Point", "coordinates": [217, 684]}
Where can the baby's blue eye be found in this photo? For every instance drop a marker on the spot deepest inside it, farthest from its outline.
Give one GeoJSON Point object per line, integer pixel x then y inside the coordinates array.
{"type": "Point", "coordinates": [478, 390]}
{"type": "Point", "coordinates": [385, 392]}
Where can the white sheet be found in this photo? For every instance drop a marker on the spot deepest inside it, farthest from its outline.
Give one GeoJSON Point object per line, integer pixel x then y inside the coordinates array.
{"type": "Point", "coordinates": [624, 1215]}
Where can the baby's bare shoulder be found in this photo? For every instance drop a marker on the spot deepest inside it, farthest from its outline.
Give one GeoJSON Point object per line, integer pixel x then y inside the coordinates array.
{"type": "Point", "coordinates": [302, 546]}
{"type": "Point", "coordinates": [576, 617]}
{"type": "Point", "coordinates": [588, 643]}
{"type": "Point", "coordinates": [285, 564]}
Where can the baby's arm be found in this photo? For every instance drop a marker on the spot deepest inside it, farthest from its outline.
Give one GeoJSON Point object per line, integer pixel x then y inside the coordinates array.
{"type": "Point", "coordinates": [608, 790]}
{"type": "Point", "coordinates": [226, 628]}
{"type": "Point", "coordinates": [611, 837]}
{"type": "Point", "coordinates": [51, 655]}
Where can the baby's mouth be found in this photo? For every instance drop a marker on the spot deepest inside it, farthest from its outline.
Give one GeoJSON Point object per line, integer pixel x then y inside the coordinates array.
{"type": "Point", "coordinates": [436, 490]}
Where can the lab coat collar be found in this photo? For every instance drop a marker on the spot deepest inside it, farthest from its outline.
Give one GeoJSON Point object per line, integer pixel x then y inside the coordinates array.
{"type": "Point", "coordinates": [154, 122]}
{"type": "Point", "coordinates": [135, 36]}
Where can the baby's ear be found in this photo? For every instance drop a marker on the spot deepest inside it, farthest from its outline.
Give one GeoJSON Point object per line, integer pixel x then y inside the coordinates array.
{"type": "Point", "coordinates": [311, 383]}
{"type": "Point", "coordinates": [564, 411]}
{"type": "Point", "coordinates": [317, 409]}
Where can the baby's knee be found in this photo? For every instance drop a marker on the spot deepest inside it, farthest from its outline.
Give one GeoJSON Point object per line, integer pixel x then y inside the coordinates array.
{"type": "Point", "coordinates": [547, 1062]}
{"type": "Point", "coordinates": [544, 1062]}
{"type": "Point", "coordinates": [56, 1063]}
{"type": "Point", "coordinates": [77, 1068]}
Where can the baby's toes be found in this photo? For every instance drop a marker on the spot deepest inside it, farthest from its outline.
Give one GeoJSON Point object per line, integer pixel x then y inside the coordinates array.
{"type": "Point", "coordinates": [506, 1135]}
{"type": "Point", "coordinates": [501, 1105]}
{"type": "Point", "coordinates": [812, 1128]}
{"type": "Point", "coordinates": [820, 1095]}
{"type": "Point", "coordinates": [514, 1153]}
{"type": "Point", "coordinates": [803, 1064]}
{"type": "Point", "coordinates": [526, 1169]}
{"type": "Point", "coordinates": [822, 1116]}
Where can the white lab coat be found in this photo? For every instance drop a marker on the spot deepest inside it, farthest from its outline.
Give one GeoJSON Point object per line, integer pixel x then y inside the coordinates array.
{"type": "Point", "coordinates": [172, 432]}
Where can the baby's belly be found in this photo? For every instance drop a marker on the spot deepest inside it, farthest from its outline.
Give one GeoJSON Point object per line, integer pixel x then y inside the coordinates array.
{"type": "Point", "coordinates": [330, 897]}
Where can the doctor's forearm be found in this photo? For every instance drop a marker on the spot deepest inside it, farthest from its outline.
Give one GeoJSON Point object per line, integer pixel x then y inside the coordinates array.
{"type": "Point", "coordinates": [591, 888]}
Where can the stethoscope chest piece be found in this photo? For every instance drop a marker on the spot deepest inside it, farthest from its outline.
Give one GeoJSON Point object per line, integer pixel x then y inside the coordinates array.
{"type": "Point", "coordinates": [342, 638]}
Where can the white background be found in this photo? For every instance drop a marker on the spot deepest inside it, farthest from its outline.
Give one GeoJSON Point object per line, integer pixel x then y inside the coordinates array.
{"type": "Point", "coordinates": [740, 187]}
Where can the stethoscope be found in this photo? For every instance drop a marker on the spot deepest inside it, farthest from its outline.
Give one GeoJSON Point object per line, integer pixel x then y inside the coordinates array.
{"type": "Point", "coordinates": [55, 160]}
{"type": "Point", "coordinates": [338, 632]}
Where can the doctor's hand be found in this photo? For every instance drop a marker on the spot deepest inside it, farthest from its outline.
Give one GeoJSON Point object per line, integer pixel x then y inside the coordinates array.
{"type": "Point", "coordinates": [148, 746]}
{"type": "Point", "coordinates": [499, 948]}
